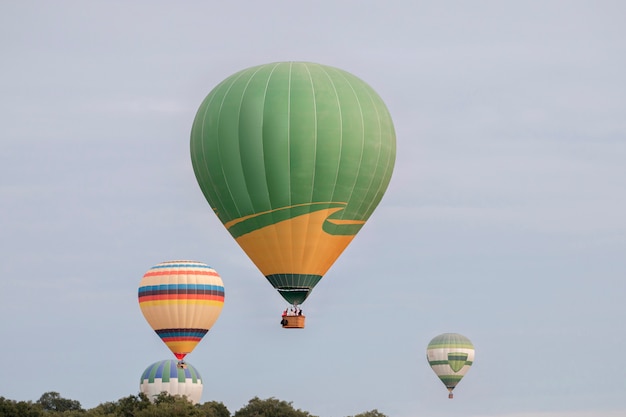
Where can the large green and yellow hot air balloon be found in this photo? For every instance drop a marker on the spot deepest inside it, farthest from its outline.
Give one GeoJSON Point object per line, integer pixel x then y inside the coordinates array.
{"type": "Point", "coordinates": [450, 355]}
{"type": "Point", "coordinates": [293, 157]}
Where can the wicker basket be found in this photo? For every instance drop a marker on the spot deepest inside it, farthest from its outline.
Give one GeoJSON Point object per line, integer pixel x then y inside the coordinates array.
{"type": "Point", "coordinates": [293, 322]}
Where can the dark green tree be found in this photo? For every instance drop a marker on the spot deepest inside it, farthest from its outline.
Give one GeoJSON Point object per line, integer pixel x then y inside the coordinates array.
{"type": "Point", "coordinates": [52, 401]}
{"type": "Point", "coordinates": [124, 407]}
{"type": "Point", "coordinates": [213, 409]}
{"type": "Point", "coordinates": [166, 405]}
{"type": "Point", "coordinates": [107, 409]}
{"type": "Point", "coordinates": [270, 407]}
{"type": "Point", "coordinates": [11, 408]}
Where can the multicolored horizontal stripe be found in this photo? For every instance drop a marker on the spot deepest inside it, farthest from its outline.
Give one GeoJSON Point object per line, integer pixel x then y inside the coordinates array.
{"type": "Point", "coordinates": [177, 292]}
{"type": "Point", "coordinates": [181, 334]}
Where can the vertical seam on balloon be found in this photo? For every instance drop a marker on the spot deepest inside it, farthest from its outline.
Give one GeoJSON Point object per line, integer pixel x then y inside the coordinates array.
{"type": "Point", "coordinates": [310, 200]}
{"type": "Point", "coordinates": [238, 136]}
{"type": "Point", "coordinates": [250, 201]}
{"type": "Point", "coordinates": [318, 242]}
{"type": "Point", "coordinates": [340, 114]}
{"type": "Point", "coordinates": [391, 154]}
{"type": "Point", "coordinates": [218, 123]}
{"type": "Point", "coordinates": [273, 229]}
{"type": "Point", "coordinates": [358, 101]}
{"type": "Point", "coordinates": [315, 132]}
{"type": "Point", "coordinates": [288, 257]}
{"type": "Point", "coordinates": [289, 132]}
{"type": "Point", "coordinates": [202, 161]}
{"type": "Point", "coordinates": [372, 202]}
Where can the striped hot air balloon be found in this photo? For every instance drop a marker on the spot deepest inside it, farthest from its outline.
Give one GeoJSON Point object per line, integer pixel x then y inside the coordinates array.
{"type": "Point", "coordinates": [450, 355]}
{"type": "Point", "coordinates": [173, 378]}
{"type": "Point", "coordinates": [181, 300]}
{"type": "Point", "coordinates": [293, 157]}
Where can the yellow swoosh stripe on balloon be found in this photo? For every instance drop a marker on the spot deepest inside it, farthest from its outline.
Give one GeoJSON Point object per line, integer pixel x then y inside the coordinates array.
{"type": "Point", "coordinates": [296, 245]}
{"type": "Point", "coordinates": [339, 221]}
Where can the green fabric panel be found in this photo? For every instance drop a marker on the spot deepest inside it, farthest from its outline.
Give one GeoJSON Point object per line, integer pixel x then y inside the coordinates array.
{"type": "Point", "coordinates": [206, 155]}
{"type": "Point", "coordinates": [377, 159]}
{"type": "Point", "coordinates": [294, 297]}
{"type": "Point", "coordinates": [276, 137]}
{"type": "Point", "coordinates": [153, 372]}
{"type": "Point", "coordinates": [445, 362]}
{"type": "Point", "coordinates": [251, 121]}
{"type": "Point", "coordinates": [234, 193]}
{"type": "Point", "coordinates": [351, 150]}
{"type": "Point", "coordinates": [450, 341]}
{"type": "Point", "coordinates": [327, 133]}
{"type": "Point", "coordinates": [341, 229]}
{"type": "Point", "coordinates": [289, 281]}
{"type": "Point", "coordinates": [457, 361]}
{"type": "Point", "coordinates": [165, 377]}
{"type": "Point", "coordinates": [446, 345]}
{"type": "Point", "coordinates": [195, 376]}
{"type": "Point", "coordinates": [450, 381]}
{"type": "Point", "coordinates": [302, 134]}
{"type": "Point", "coordinates": [294, 288]}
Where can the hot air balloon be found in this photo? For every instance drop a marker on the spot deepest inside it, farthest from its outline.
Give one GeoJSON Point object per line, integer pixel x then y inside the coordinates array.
{"type": "Point", "coordinates": [450, 355]}
{"type": "Point", "coordinates": [181, 300]}
{"type": "Point", "coordinates": [293, 157]}
{"type": "Point", "coordinates": [173, 378]}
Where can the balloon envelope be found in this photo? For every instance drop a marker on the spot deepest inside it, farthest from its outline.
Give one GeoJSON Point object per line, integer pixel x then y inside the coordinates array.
{"type": "Point", "coordinates": [293, 157]}
{"type": "Point", "coordinates": [450, 355]}
{"type": "Point", "coordinates": [168, 376]}
{"type": "Point", "coordinates": [181, 300]}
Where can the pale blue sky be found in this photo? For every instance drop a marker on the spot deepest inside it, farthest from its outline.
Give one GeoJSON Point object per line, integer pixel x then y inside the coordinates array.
{"type": "Point", "coordinates": [504, 220]}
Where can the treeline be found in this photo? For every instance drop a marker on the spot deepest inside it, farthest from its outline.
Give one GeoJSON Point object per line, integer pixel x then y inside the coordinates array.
{"type": "Point", "coordinates": [51, 404]}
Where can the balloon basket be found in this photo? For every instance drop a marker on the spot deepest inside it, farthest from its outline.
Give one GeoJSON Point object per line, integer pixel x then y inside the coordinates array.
{"type": "Point", "coordinates": [293, 322]}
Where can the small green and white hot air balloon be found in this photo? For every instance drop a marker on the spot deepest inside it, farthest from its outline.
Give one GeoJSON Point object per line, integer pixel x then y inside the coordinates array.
{"type": "Point", "coordinates": [172, 377]}
{"type": "Point", "coordinates": [450, 355]}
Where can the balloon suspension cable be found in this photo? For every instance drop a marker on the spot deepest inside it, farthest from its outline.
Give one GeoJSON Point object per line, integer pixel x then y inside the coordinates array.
{"type": "Point", "coordinates": [297, 310]}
